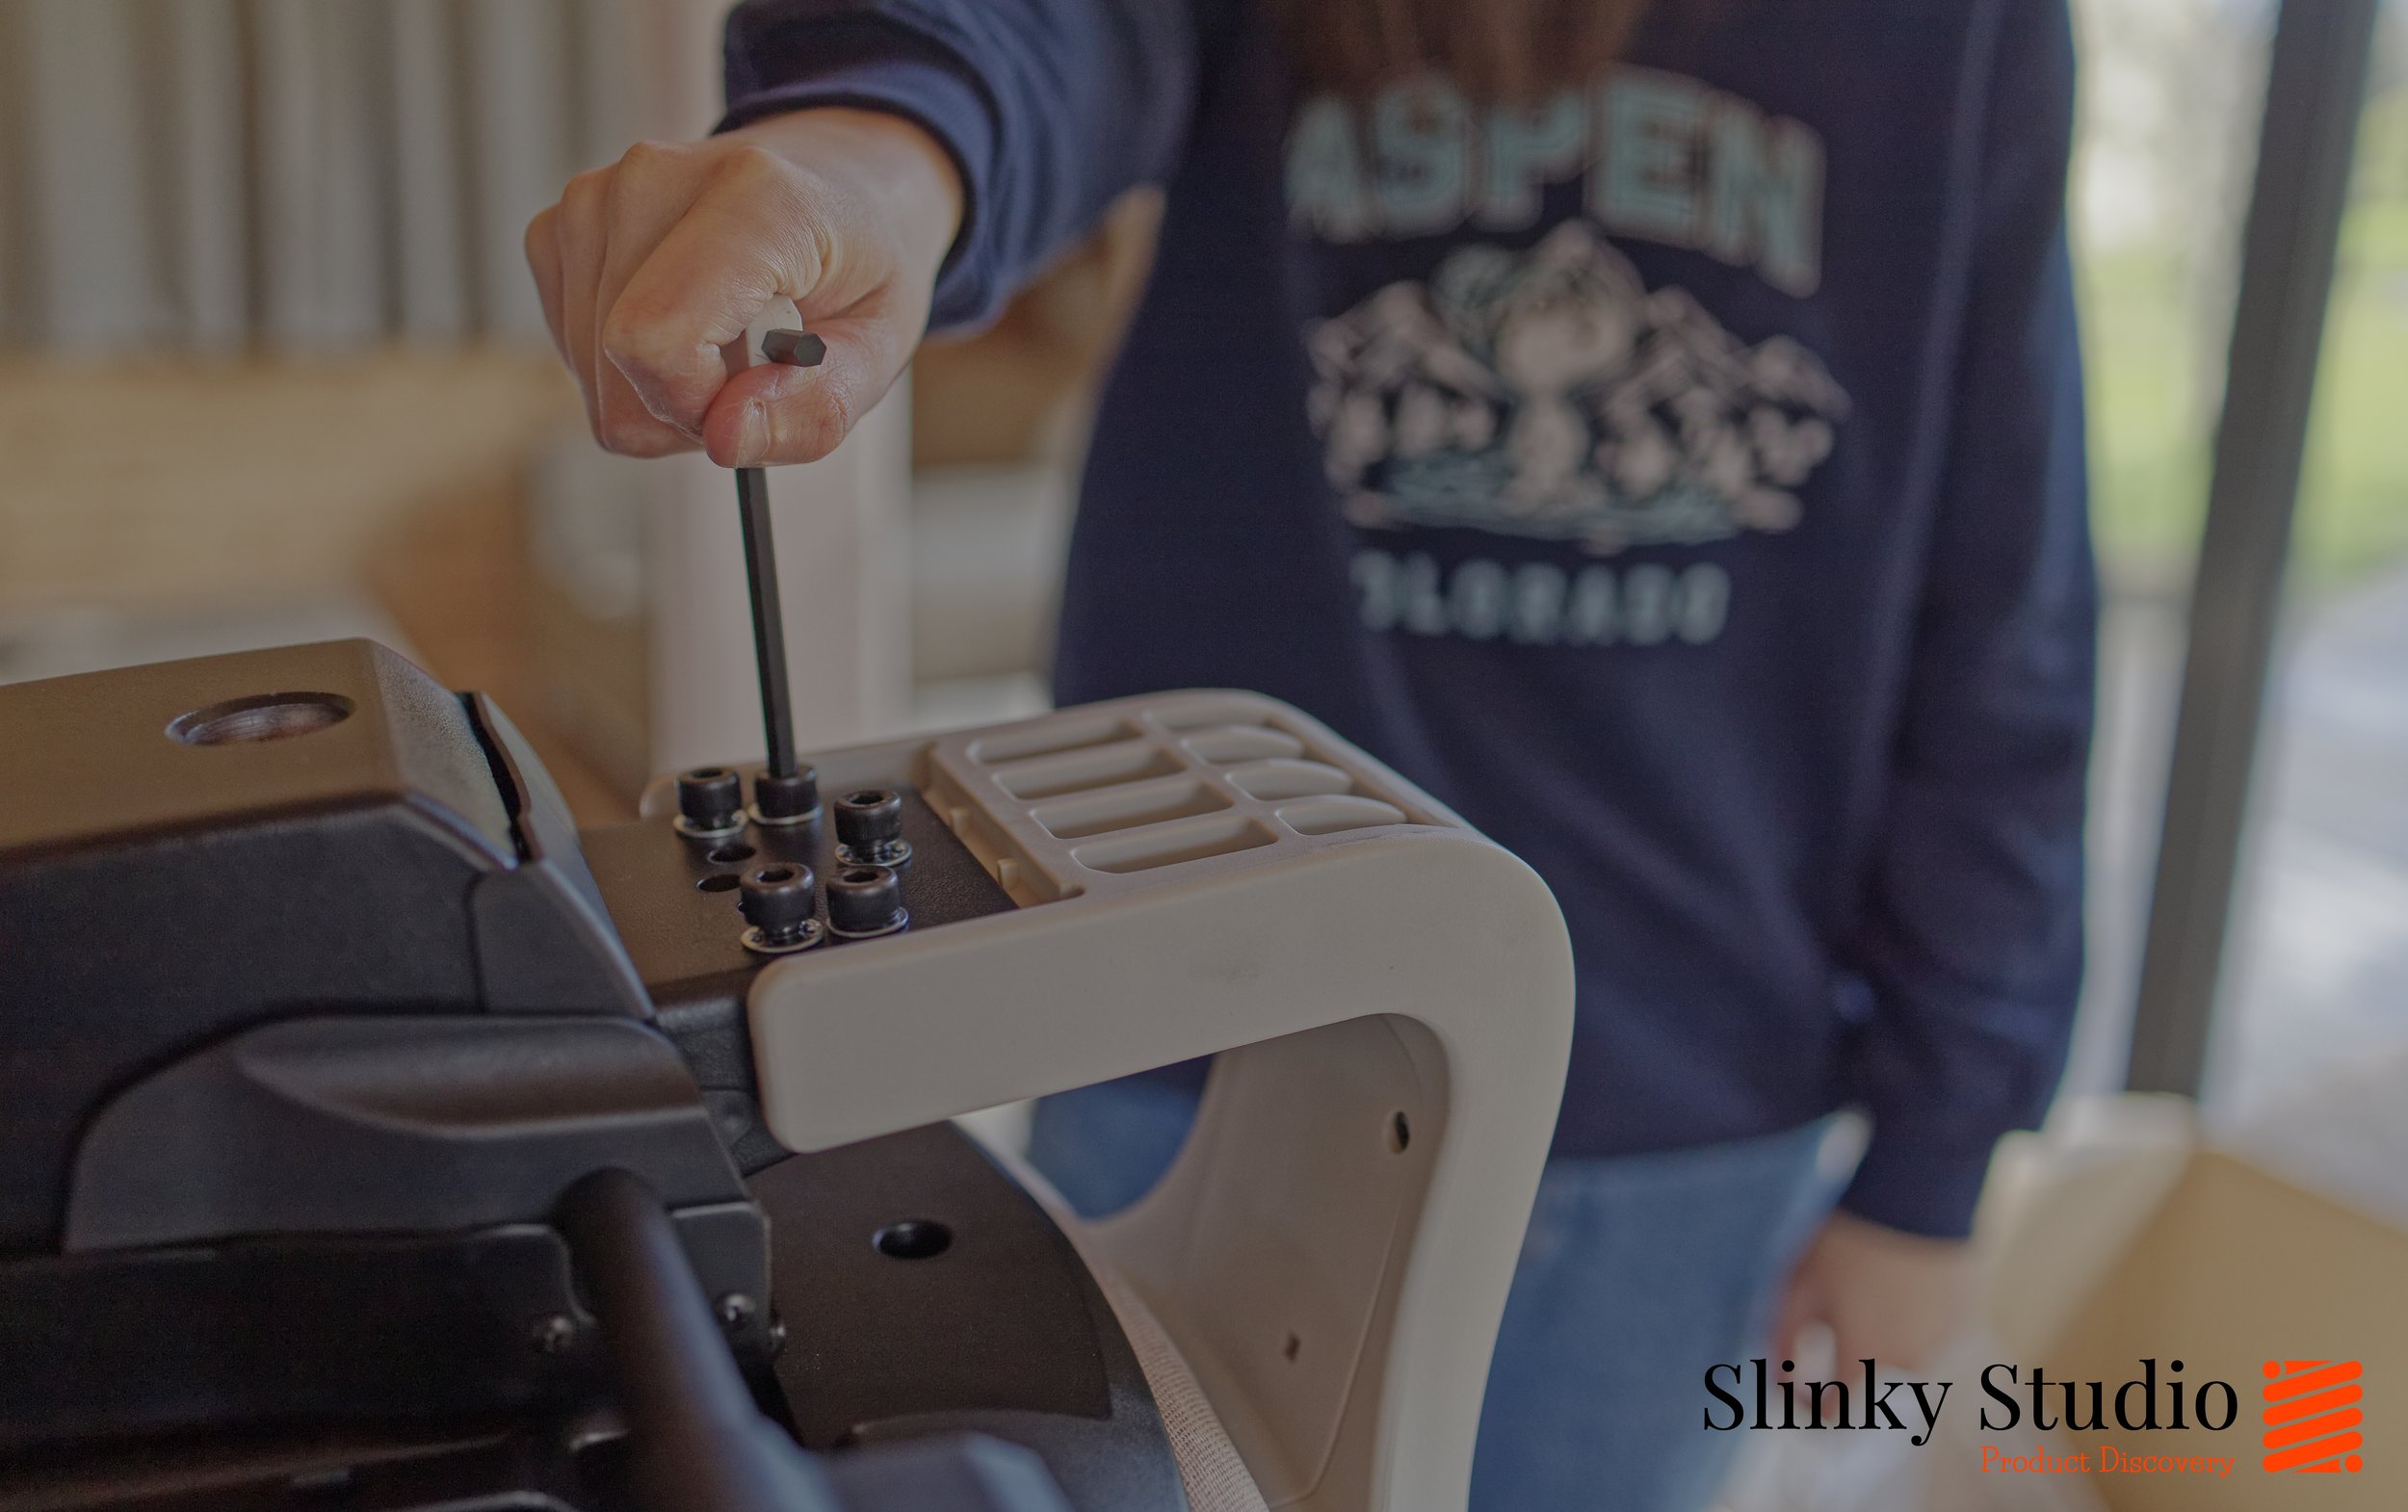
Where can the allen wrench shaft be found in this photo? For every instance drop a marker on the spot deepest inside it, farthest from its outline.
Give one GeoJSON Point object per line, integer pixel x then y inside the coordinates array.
{"type": "Point", "coordinates": [791, 348]}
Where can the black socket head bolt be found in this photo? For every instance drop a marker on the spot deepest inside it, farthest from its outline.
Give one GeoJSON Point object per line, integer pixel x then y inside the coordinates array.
{"type": "Point", "coordinates": [776, 900]}
{"type": "Point", "coordinates": [865, 900]}
{"type": "Point", "coordinates": [869, 828]}
{"type": "Point", "coordinates": [786, 800]}
{"type": "Point", "coordinates": [796, 348]}
{"type": "Point", "coordinates": [710, 803]}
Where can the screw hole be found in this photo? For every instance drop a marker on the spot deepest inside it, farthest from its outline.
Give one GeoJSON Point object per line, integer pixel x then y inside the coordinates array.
{"type": "Point", "coordinates": [913, 1238]}
{"type": "Point", "coordinates": [719, 882]}
{"type": "Point", "coordinates": [1400, 1133]}
{"type": "Point", "coordinates": [866, 797]}
{"type": "Point", "coordinates": [268, 716]}
{"type": "Point", "coordinates": [729, 855]}
{"type": "Point", "coordinates": [860, 874]}
{"type": "Point", "coordinates": [707, 774]}
{"type": "Point", "coordinates": [771, 876]}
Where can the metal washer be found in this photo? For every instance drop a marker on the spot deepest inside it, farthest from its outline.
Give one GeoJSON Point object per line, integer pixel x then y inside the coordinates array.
{"type": "Point", "coordinates": [812, 934]}
{"type": "Point", "coordinates": [752, 811]}
{"type": "Point", "coordinates": [894, 926]}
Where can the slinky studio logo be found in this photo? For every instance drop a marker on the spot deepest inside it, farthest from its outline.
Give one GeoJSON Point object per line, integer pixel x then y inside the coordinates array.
{"type": "Point", "coordinates": [2310, 1415]}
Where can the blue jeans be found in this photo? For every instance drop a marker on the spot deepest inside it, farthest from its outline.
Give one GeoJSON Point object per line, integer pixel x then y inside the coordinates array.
{"type": "Point", "coordinates": [1636, 1274]}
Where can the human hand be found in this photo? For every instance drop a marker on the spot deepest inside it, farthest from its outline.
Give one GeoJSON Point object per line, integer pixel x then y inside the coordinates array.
{"type": "Point", "coordinates": [649, 266]}
{"type": "Point", "coordinates": [1885, 1295]}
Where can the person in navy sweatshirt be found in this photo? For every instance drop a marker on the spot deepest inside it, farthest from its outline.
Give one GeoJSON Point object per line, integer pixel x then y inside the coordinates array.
{"type": "Point", "coordinates": [1654, 428]}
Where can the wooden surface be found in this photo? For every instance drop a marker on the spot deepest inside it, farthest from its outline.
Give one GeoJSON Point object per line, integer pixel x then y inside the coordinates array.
{"type": "Point", "coordinates": [174, 490]}
{"type": "Point", "coordinates": [190, 481]}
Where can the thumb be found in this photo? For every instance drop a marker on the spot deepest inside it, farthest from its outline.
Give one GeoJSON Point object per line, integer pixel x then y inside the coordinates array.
{"type": "Point", "coordinates": [772, 414]}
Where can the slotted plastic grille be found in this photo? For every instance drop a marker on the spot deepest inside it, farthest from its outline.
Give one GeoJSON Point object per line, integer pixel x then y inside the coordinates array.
{"type": "Point", "coordinates": [1091, 797]}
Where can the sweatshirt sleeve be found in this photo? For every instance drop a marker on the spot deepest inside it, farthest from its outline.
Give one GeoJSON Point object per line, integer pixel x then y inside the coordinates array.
{"type": "Point", "coordinates": [1050, 109]}
{"type": "Point", "coordinates": [1971, 938]}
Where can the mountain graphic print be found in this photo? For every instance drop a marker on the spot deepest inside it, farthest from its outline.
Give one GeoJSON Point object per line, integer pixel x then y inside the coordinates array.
{"type": "Point", "coordinates": [1549, 394]}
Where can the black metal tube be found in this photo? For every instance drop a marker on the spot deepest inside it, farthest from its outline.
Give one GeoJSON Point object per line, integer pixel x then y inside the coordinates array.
{"type": "Point", "coordinates": [768, 621]}
{"type": "Point", "coordinates": [2315, 83]}
{"type": "Point", "coordinates": [697, 1443]}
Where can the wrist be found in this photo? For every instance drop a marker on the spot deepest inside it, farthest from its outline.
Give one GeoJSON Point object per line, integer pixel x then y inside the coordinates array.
{"type": "Point", "coordinates": [1919, 1175]}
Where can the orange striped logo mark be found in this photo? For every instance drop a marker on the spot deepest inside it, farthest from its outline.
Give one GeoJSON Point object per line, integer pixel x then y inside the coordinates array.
{"type": "Point", "coordinates": [2312, 1416]}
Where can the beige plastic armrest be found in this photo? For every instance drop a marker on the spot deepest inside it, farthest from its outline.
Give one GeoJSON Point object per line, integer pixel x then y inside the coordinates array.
{"type": "Point", "coordinates": [1392, 993]}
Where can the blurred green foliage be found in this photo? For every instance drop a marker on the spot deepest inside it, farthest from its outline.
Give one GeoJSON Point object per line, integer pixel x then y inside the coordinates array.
{"type": "Point", "coordinates": [2154, 371]}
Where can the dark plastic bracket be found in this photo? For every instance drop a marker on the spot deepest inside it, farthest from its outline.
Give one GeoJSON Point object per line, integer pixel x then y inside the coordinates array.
{"type": "Point", "coordinates": [363, 1125]}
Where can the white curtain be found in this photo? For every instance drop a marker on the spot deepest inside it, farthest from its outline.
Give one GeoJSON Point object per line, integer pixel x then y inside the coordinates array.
{"type": "Point", "coordinates": [312, 175]}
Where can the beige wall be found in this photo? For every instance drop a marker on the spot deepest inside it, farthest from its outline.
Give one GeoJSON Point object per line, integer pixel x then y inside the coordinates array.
{"type": "Point", "coordinates": [318, 174]}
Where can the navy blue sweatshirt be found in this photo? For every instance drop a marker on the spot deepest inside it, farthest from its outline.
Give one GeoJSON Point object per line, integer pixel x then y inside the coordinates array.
{"type": "Point", "coordinates": [1681, 476]}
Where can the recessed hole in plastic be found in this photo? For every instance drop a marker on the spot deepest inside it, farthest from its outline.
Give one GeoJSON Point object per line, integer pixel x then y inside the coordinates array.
{"type": "Point", "coordinates": [1049, 737]}
{"type": "Point", "coordinates": [1077, 772]}
{"type": "Point", "coordinates": [1227, 744]}
{"type": "Point", "coordinates": [1169, 845]}
{"type": "Point", "coordinates": [1337, 813]}
{"type": "Point", "coordinates": [1128, 806]}
{"type": "Point", "coordinates": [1275, 781]}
